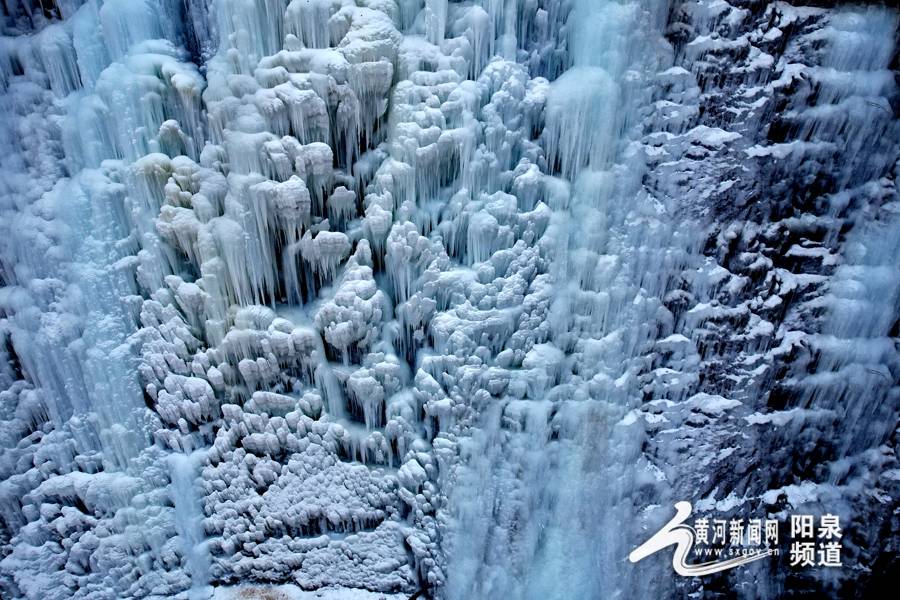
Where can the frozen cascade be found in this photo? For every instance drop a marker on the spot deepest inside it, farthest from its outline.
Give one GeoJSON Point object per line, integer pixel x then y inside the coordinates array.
{"type": "Point", "coordinates": [450, 296]}
{"type": "Point", "coordinates": [69, 249]}
{"type": "Point", "coordinates": [80, 356]}
{"type": "Point", "coordinates": [855, 355]}
{"type": "Point", "coordinates": [73, 222]}
{"type": "Point", "coordinates": [542, 504]}
{"type": "Point", "coordinates": [185, 469]}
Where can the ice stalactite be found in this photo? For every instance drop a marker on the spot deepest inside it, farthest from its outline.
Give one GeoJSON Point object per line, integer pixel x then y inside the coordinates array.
{"type": "Point", "coordinates": [81, 357]}
{"type": "Point", "coordinates": [435, 20]}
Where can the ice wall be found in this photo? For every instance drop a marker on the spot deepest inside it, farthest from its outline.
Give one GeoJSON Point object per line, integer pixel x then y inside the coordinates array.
{"type": "Point", "coordinates": [543, 495]}
{"type": "Point", "coordinates": [445, 297]}
{"type": "Point", "coordinates": [764, 318]}
{"type": "Point", "coordinates": [85, 501]}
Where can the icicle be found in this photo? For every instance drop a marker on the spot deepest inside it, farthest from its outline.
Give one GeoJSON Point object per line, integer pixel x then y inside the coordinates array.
{"type": "Point", "coordinates": [58, 55]}
{"type": "Point", "coordinates": [126, 23]}
{"type": "Point", "coordinates": [249, 31]}
{"type": "Point", "coordinates": [309, 21]}
{"type": "Point", "coordinates": [435, 20]}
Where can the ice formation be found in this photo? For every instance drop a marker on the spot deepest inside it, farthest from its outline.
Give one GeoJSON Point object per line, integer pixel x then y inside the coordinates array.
{"type": "Point", "coordinates": [457, 298]}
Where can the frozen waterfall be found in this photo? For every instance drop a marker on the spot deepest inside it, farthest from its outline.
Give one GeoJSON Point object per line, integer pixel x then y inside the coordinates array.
{"type": "Point", "coordinates": [457, 298]}
{"type": "Point", "coordinates": [189, 520]}
{"type": "Point", "coordinates": [546, 487]}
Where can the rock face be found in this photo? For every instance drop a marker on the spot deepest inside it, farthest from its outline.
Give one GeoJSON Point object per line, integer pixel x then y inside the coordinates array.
{"type": "Point", "coordinates": [450, 297]}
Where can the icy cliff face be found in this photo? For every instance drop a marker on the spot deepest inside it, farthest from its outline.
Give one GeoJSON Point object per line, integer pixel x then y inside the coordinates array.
{"type": "Point", "coordinates": [458, 297]}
